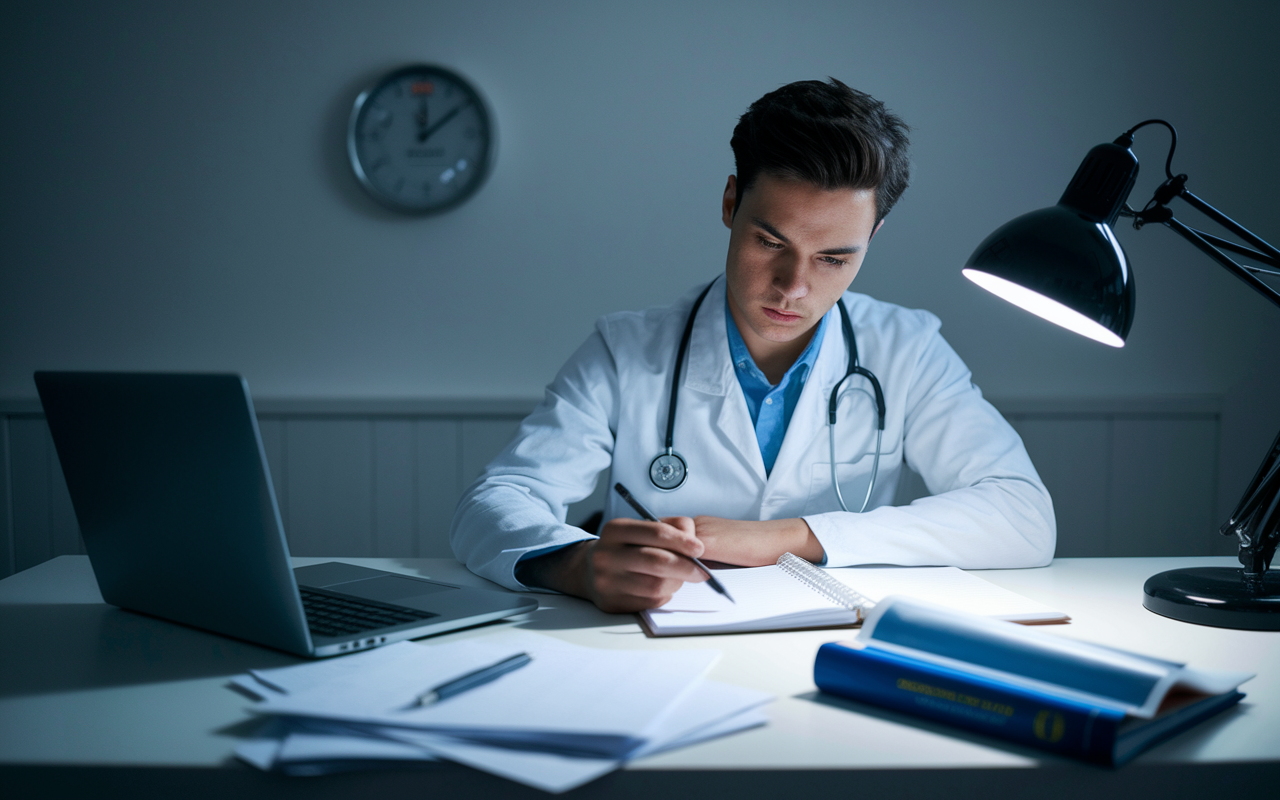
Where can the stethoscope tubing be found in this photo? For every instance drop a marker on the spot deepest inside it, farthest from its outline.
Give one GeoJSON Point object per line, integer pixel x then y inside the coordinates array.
{"type": "Point", "coordinates": [669, 461]}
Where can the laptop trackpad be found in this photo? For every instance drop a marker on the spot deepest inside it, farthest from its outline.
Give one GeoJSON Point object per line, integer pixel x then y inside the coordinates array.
{"type": "Point", "coordinates": [391, 588]}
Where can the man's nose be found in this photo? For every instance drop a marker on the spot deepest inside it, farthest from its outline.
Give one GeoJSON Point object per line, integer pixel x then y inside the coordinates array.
{"type": "Point", "coordinates": [790, 279]}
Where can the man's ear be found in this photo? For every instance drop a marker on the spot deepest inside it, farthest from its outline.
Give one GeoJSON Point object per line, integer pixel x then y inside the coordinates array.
{"type": "Point", "coordinates": [873, 230]}
{"type": "Point", "coordinates": [729, 200]}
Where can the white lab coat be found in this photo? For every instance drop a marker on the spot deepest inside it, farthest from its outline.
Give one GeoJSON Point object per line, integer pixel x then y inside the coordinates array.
{"type": "Point", "coordinates": [606, 411]}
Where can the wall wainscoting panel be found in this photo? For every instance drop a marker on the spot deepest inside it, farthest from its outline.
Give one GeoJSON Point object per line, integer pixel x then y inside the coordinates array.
{"type": "Point", "coordinates": [1129, 485]}
{"type": "Point", "coordinates": [43, 523]}
{"type": "Point", "coordinates": [6, 503]}
{"type": "Point", "coordinates": [1128, 477]}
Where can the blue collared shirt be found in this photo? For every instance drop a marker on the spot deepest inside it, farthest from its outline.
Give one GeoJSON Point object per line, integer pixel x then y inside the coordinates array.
{"type": "Point", "coordinates": [770, 405]}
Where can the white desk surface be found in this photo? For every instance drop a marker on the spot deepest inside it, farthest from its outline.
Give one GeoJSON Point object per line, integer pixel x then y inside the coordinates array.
{"type": "Point", "coordinates": [83, 683]}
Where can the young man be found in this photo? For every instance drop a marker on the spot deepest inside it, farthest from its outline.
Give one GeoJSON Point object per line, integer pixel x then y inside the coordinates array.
{"type": "Point", "coordinates": [743, 470]}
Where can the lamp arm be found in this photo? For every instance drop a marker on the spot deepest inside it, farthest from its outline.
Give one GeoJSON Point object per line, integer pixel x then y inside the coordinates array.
{"type": "Point", "coordinates": [1241, 250]}
{"type": "Point", "coordinates": [1228, 223]}
{"type": "Point", "coordinates": [1256, 519]}
{"type": "Point", "coordinates": [1206, 247]}
{"type": "Point", "coordinates": [1259, 530]}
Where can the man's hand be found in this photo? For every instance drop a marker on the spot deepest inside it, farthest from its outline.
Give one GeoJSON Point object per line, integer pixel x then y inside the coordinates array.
{"type": "Point", "coordinates": [756, 544]}
{"type": "Point", "coordinates": [634, 565]}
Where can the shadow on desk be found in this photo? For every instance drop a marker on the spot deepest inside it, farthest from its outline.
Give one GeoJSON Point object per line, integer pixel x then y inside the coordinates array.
{"type": "Point", "coordinates": [72, 647]}
{"type": "Point", "coordinates": [557, 612]}
{"type": "Point", "coordinates": [1068, 782]}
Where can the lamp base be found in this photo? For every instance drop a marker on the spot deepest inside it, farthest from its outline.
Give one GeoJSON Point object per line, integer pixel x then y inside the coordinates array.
{"type": "Point", "coordinates": [1216, 596]}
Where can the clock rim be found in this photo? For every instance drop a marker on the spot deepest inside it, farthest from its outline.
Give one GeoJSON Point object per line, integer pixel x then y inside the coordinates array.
{"type": "Point", "coordinates": [487, 158]}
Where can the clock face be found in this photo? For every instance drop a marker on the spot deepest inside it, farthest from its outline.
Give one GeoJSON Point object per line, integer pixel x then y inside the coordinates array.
{"type": "Point", "coordinates": [421, 139]}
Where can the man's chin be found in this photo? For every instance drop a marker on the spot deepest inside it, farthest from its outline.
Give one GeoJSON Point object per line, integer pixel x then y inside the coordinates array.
{"type": "Point", "coordinates": [782, 333]}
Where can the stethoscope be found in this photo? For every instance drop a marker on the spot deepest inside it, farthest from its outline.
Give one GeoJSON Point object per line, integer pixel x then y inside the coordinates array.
{"type": "Point", "coordinates": [668, 469]}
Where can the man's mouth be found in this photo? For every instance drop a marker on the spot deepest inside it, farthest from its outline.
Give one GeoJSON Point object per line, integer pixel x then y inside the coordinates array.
{"type": "Point", "coordinates": [780, 316]}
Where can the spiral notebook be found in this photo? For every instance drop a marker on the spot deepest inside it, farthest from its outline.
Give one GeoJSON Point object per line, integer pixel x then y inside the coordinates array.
{"type": "Point", "coordinates": [795, 594]}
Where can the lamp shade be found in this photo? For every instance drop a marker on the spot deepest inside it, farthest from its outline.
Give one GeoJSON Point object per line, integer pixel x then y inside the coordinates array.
{"type": "Point", "coordinates": [1062, 267]}
{"type": "Point", "coordinates": [1064, 263]}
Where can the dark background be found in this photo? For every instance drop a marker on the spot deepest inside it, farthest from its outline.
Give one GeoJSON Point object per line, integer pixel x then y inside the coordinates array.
{"type": "Point", "coordinates": [175, 195]}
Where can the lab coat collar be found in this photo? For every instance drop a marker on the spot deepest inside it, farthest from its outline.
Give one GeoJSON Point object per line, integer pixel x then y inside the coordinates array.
{"type": "Point", "coordinates": [710, 366]}
{"type": "Point", "coordinates": [710, 370]}
{"type": "Point", "coordinates": [810, 415]}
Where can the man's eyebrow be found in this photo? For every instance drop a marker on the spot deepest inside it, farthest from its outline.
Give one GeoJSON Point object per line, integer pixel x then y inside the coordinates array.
{"type": "Point", "coordinates": [833, 251]}
{"type": "Point", "coordinates": [841, 251]}
{"type": "Point", "coordinates": [772, 231]}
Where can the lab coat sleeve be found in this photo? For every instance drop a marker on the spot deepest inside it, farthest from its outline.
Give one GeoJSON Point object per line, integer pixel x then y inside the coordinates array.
{"type": "Point", "coordinates": [518, 504]}
{"type": "Point", "coordinates": [988, 508]}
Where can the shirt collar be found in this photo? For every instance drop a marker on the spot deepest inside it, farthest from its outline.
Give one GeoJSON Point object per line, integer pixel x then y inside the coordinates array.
{"type": "Point", "coordinates": [745, 365]}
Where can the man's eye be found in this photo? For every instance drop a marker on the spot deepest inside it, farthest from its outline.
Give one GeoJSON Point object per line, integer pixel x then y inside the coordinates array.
{"type": "Point", "coordinates": [769, 243]}
{"type": "Point", "coordinates": [833, 261]}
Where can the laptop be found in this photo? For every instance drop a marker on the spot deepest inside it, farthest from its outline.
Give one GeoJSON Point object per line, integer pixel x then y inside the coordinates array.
{"type": "Point", "coordinates": [171, 489]}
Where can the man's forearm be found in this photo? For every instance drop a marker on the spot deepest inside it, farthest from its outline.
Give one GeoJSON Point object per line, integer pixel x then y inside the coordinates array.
{"type": "Point", "coordinates": [751, 544]}
{"type": "Point", "coordinates": [563, 570]}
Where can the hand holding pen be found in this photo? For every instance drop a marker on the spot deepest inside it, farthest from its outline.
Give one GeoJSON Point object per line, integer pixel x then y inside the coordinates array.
{"type": "Point", "coordinates": [646, 514]}
{"type": "Point", "coordinates": [632, 565]}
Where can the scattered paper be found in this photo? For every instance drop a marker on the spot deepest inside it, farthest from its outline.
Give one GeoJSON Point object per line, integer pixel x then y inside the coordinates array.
{"type": "Point", "coordinates": [572, 715]}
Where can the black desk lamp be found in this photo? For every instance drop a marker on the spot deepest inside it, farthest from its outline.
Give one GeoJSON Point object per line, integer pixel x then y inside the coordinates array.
{"type": "Point", "coordinates": [1065, 264]}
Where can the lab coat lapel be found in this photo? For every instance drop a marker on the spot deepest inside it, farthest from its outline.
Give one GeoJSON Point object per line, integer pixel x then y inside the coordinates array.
{"type": "Point", "coordinates": [809, 418]}
{"type": "Point", "coordinates": [710, 371]}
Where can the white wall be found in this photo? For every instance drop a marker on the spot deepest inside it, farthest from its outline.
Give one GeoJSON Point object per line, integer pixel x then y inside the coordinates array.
{"type": "Point", "coordinates": [176, 196]}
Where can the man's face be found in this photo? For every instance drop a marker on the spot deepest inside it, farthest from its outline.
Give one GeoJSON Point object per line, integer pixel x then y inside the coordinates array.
{"type": "Point", "coordinates": [793, 250]}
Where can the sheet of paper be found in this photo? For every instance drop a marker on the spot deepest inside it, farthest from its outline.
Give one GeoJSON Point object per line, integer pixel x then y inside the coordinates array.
{"type": "Point", "coordinates": [301, 678]}
{"type": "Point", "coordinates": [550, 772]}
{"type": "Point", "coordinates": [747, 720]}
{"type": "Point", "coordinates": [569, 696]}
{"type": "Point", "coordinates": [759, 593]}
{"type": "Point", "coordinates": [946, 586]}
{"type": "Point", "coordinates": [713, 709]}
{"type": "Point", "coordinates": [707, 705]}
{"type": "Point", "coordinates": [261, 753]}
{"type": "Point", "coordinates": [305, 747]}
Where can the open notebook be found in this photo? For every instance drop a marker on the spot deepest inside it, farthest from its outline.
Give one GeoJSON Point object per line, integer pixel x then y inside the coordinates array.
{"type": "Point", "coordinates": [796, 594]}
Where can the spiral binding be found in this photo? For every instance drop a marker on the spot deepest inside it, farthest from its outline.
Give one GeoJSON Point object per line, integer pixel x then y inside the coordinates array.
{"type": "Point", "coordinates": [824, 584]}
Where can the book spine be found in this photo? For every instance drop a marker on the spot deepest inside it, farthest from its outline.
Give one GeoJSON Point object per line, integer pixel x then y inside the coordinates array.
{"type": "Point", "coordinates": [977, 703]}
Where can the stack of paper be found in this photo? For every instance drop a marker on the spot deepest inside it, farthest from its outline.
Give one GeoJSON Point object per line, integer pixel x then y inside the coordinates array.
{"type": "Point", "coordinates": [570, 716]}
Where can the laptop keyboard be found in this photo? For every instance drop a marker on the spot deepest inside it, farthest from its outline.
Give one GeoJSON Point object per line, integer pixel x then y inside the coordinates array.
{"type": "Point", "coordinates": [342, 616]}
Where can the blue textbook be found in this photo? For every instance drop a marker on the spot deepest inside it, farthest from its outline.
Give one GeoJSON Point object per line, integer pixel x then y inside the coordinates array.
{"type": "Point", "coordinates": [1068, 697]}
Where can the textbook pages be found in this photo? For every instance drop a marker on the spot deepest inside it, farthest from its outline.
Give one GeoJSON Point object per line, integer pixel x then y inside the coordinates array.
{"type": "Point", "coordinates": [1062, 695]}
{"type": "Point", "coordinates": [795, 594]}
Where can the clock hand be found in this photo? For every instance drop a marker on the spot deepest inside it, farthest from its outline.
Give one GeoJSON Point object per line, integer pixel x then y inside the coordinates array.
{"type": "Point", "coordinates": [423, 132]}
{"type": "Point", "coordinates": [440, 123]}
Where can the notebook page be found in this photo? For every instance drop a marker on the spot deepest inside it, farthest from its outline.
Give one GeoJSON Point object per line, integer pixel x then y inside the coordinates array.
{"type": "Point", "coordinates": [761, 593]}
{"type": "Point", "coordinates": [946, 586]}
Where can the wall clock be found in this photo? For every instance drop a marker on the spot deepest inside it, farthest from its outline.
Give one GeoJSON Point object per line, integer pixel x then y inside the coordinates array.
{"type": "Point", "coordinates": [421, 139]}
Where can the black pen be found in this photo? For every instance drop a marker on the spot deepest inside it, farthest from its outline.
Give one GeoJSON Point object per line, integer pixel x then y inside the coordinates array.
{"type": "Point", "coordinates": [471, 680]}
{"type": "Point", "coordinates": [648, 515]}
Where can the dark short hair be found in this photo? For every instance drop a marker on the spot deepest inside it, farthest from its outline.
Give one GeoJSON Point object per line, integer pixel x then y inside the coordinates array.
{"type": "Point", "coordinates": [826, 134]}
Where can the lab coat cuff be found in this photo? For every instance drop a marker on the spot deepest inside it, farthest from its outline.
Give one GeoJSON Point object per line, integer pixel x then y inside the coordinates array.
{"type": "Point", "coordinates": [833, 535]}
{"type": "Point", "coordinates": [533, 552]}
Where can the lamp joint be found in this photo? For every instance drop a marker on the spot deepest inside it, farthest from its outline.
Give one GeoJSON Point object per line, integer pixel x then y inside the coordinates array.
{"type": "Point", "coordinates": [1170, 189]}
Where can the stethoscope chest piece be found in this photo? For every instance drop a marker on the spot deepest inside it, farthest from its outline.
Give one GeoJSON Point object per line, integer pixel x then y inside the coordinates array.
{"type": "Point", "coordinates": [668, 471]}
